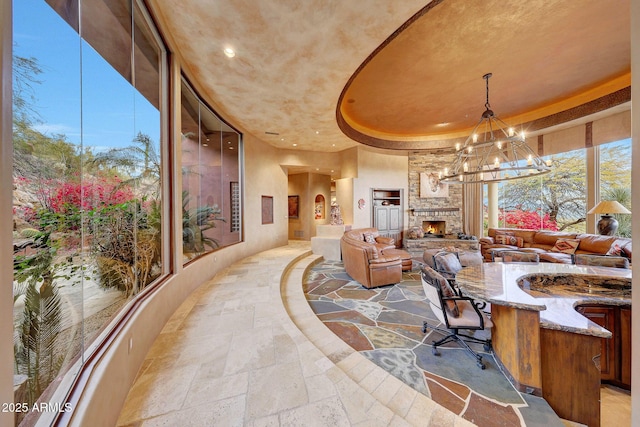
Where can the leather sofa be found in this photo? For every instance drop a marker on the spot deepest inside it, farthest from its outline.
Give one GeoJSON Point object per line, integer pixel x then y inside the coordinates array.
{"type": "Point", "coordinates": [543, 241]}
{"type": "Point", "coordinates": [366, 262]}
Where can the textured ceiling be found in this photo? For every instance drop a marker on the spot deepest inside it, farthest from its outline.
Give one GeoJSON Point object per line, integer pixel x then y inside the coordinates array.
{"type": "Point", "coordinates": [404, 71]}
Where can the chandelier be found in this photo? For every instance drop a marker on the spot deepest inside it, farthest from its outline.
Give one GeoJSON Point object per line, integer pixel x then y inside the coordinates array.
{"type": "Point", "coordinates": [493, 152]}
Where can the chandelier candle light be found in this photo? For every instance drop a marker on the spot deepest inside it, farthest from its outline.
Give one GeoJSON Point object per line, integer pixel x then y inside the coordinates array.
{"type": "Point", "coordinates": [493, 152]}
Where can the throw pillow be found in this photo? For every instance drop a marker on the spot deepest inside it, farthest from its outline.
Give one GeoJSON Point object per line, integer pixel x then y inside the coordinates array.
{"type": "Point", "coordinates": [449, 263]}
{"type": "Point", "coordinates": [505, 239]}
{"type": "Point", "coordinates": [369, 238]}
{"type": "Point", "coordinates": [614, 250]}
{"type": "Point", "coordinates": [566, 246]}
{"type": "Point", "coordinates": [505, 233]}
{"type": "Point", "coordinates": [502, 239]}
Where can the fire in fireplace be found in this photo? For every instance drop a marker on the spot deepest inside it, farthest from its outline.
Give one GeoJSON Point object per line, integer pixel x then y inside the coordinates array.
{"type": "Point", "coordinates": [434, 228]}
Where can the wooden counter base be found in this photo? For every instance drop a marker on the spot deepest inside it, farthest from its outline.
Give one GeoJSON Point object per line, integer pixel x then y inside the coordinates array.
{"type": "Point", "coordinates": [562, 367]}
{"type": "Point", "coordinates": [542, 342]}
{"type": "Point", "coordinates": [571, 375]}
{"type": "Point", "coordinates": [516, 343]}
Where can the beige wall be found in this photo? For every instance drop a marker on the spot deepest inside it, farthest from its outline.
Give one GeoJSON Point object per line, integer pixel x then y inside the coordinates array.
{"type": "Point", "coordinates": [311, 160]}
{"type": "Point", "coordinates": [345, 198]}
{"type": "Point", "coordinates": [264, 176]}
{"type": "Point", "coordinates": [299, 228]}
{"type": "Point", "coordinates": [307, 186]}
{"type": "Point", "coordinates": [377, 169]}
{"type": "Point", "coordinates": [349, 162]}
{"type": "Point", "coordinates": [319, 185]}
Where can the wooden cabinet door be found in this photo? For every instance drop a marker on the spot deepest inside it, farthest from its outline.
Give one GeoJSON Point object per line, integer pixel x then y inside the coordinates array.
{"type": "Point", "coordinates": [625, 346]}
{"type": "Point", "coordinates": [381, 219]}
{"type": "Point", "coordinates": [395, 218]}
{"type": "Point", "coordinates": [388, 221]}
{"type": "Point", "coordinates": [605, 317]}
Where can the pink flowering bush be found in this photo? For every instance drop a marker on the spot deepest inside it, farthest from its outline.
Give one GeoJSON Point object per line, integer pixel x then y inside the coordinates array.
{"type": "Point", "coordinates": [70, 196]}
{"type": "Point", "coordinates": [62, 202]}
{"type": "Point", "coordinates": [527, 219]}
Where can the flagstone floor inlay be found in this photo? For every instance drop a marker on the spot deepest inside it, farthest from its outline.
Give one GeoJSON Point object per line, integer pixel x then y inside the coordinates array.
{"type": "Point", "coordinates": [385, 325]}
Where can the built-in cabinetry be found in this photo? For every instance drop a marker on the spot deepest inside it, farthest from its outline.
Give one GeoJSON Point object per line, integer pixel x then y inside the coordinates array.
{"type": "Point", "coordinates": [387, 212]}
{"type": "Point", "coordinates": [615, 359]}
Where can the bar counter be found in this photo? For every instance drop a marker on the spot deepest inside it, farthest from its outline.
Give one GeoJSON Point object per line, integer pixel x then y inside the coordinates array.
{"type": "Point", "coordinates": [552, 289]}
{"type": "Point", "coordinates": [541, 341]}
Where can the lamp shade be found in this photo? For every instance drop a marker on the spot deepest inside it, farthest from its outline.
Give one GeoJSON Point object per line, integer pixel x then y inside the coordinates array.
{"type": "Point", "coordinates": [609, 207]}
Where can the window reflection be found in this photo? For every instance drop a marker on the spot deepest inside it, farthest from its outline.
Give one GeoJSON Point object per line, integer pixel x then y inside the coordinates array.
{"type": "Point", "coordinates": [87, 177]}
{"type": "Point", "coordinates": [210, 179]}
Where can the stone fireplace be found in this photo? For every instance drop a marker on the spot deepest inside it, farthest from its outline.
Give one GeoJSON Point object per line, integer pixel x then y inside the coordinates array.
{"type": "Point", "coordinates": [444, 210]}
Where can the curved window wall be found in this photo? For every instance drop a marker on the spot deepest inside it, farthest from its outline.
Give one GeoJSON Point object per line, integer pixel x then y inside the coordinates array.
{"type": "Point", "coordinates": [210, 178]}
{"type": "Point", "coordinates": [91, 184]}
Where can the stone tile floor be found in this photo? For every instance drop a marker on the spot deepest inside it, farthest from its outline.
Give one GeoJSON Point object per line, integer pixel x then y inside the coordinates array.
{"type": "Point", "coordinates": [385, 325]}
{"type": "Point", "coordinates": [246, 349]}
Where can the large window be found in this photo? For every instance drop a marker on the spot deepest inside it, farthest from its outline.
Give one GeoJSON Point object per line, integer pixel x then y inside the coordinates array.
{"type": "Point", "coordinates": [87, 177]}
{"type": "Point", "coordinates": [615, 179]}
{"type": "Point", "coordinates": [210, 178]}
{"type": "Point", "coordinates": [558, 200]}
{"type": "Point", "coordinates": [553, 201]}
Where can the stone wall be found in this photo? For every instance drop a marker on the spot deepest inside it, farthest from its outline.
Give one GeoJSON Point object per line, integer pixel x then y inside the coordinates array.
{"type": "Point", "coordinates": [431, 208]}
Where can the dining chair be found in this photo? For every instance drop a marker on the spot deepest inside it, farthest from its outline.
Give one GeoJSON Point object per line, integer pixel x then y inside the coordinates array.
{"type": "Point", "coordinates": [455, 312]}
{"type": "Point", "coordinates": [601, 260]}
{"type": "Point", "coordinates": [447, 263]}
{"type": "Point", "coordinates": [516, 256]}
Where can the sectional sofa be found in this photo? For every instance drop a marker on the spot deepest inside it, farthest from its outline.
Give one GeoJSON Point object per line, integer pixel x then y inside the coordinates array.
{"type": "Point", "coordinates": [553, 246]}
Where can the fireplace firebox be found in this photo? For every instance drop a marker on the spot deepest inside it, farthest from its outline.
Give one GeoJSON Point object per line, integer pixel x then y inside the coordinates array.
{"type": "Point", "coordinates": [434, 228]}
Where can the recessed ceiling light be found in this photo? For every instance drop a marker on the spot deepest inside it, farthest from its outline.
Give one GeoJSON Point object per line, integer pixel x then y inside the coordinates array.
{"type": "Point", "coordinates": [229, 52]}
{"type": "Point", "coordinates": [317, 132]}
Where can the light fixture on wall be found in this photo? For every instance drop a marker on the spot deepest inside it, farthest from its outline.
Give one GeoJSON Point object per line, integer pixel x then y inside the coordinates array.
{"type": "Point", "coordinates": [608, 225]}
{"type": "Point", "coordinates": [493, 152]}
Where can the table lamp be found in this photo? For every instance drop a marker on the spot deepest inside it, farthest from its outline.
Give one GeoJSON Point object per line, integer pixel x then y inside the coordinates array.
{"type": "Point", "coordinates": [608, 225]}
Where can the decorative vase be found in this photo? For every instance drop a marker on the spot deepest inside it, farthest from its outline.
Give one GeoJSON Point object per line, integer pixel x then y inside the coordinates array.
{"type": "Point", "coordinates": [608, 225]}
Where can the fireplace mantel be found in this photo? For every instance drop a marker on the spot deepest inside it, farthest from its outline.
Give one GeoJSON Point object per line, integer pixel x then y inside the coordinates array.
{"type": "Point", "coordinates": [435, 211]}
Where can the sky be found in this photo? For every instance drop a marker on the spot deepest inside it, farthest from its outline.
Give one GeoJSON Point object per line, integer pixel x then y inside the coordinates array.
{"type": "Point", "coordinates": [112, 111]}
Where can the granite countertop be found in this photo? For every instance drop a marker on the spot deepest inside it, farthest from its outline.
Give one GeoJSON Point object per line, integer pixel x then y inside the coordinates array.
{"type": "Point", "coordinates": [552, 289]}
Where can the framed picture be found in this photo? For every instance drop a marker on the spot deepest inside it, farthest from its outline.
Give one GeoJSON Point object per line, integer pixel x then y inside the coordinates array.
{"type": "Point", "coordinates": [293, 206]}
{"type": "Point", "coordinates": [267, 209]}
{"type": "Point", "coordinates": [430, 185]}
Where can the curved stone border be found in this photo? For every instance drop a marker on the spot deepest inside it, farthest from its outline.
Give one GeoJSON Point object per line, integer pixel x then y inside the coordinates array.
{"type": "Point", "coordinates": [369, 394]}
